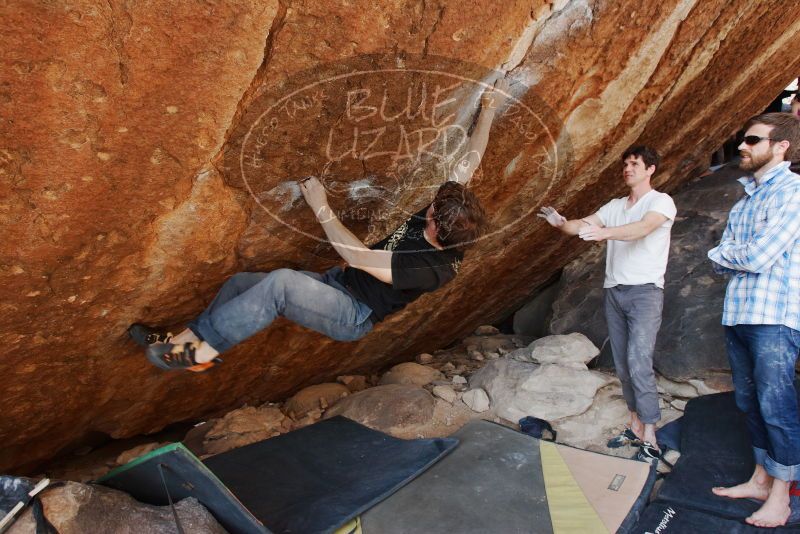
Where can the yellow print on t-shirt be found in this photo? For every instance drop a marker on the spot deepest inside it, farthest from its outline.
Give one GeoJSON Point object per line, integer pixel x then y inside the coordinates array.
{"type": "Point", "coordinates": [395, 238]}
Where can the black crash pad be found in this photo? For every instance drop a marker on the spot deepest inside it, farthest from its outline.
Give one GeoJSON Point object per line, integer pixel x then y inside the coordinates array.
{"type": "Point", "coordinates": [715, 451]}
{"type": "Point", "coordinates": [673, 519]}
{"type": "Point", "coordinates": [311, 480]}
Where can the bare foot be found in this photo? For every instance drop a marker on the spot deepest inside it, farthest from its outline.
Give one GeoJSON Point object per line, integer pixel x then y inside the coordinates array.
{"type": "Point", "coordinates": [774, 513]}
{"type": "Point", "coordinates": [637, 426]}
{"type": "Point", "coordinates": [650, 436]}
{"type": "Point", "coordinates": [749, 490]}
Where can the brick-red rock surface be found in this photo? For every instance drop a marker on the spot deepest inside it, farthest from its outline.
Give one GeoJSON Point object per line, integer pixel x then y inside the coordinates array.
{"type": "Point", "coordinates": [121, 199]}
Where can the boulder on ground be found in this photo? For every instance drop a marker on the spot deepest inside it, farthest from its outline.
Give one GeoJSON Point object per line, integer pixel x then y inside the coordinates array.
{"type": "Point", "coordinates": [675, 389]}
{"type": "Point", "coordinates": [486, 330]}
{"type": "Point", "coordinates": [316, 397]}
{"type": "Point", "coordinates": [411, 373]}
{"type": "Point", "coordinates": [354, 383]}
{"type": "Point", "coordinates": [476, 399]}
{"type": "Point", "coordinates": [244, 426]}
{"type": "Point", "coordinates": [592, 429]}
{"type": "Point", "coordinates": [79, 508]}
{"type": "Point", "coordinates": [497, 343]}
{"type": "Point", "coordinates": [387, 408]}
{"type": "Point", "coordinates": [550, 392]}
{"type": "Point", "coordinates": [446, 393]}
{"type": "Point", "coordinates": [572, 350]}
{"type": "Point", "coordinates": [606, 418]}
{"type": "Point", "coordinates": [424, 358]}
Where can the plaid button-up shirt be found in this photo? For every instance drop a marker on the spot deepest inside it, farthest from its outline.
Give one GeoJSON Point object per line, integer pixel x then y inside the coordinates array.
{"type": "Point", "coordinates": [760, 249]}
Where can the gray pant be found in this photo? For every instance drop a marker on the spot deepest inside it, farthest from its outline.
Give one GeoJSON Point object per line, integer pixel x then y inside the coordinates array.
{"type": "Point", "coordinates": [633, 314]}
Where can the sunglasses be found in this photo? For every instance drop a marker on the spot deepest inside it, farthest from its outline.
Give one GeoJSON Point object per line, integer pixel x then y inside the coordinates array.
{"type": "Point", "coordinates": [754, 139]}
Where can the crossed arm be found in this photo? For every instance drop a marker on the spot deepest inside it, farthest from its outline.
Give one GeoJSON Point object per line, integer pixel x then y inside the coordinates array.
{"type": "Point", "coordinates": [758, 253]}
{"type": "Point", "coordinates": [591, 228]}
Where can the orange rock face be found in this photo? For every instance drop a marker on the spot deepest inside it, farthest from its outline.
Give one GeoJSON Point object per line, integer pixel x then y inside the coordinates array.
{"type": "Point", "coordinates": [148, 151]}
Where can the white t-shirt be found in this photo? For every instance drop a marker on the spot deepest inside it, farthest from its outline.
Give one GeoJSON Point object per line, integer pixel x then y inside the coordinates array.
{"type": "Point", "coordinates": [642, 261]}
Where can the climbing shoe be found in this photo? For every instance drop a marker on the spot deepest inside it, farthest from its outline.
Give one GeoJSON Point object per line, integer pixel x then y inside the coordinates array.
{"type": "Point", "coordinates": [171, 357]}
{"type": "Point", "coordinates": [626, 437]}
{"type": "Point", "coordinates": [145, 336]}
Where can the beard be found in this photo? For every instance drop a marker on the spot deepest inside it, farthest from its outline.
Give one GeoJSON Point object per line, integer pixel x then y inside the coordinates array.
{"type": "Point", "coordinates": [755, 162]}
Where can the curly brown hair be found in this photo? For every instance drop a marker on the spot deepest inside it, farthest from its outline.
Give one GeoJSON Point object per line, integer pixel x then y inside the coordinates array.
{"type": "Point", "coordinates": [459, 216]}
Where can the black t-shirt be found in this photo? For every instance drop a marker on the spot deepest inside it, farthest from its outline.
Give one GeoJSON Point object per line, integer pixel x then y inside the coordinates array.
{"type": "Point", "coordinates": [417, 267]}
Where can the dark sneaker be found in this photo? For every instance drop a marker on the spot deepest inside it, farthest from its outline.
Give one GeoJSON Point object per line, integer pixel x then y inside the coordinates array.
{"type": "Point", "coordinates": [171, 357]}
{"type": "Point", "coordinates": [648, 453]}
{"type": "Point", "coordinates": [626, 437]}
{"type": "Point", "coordinates": [145, 336]}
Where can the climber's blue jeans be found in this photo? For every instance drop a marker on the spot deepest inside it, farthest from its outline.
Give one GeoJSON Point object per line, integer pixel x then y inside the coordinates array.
{"type": "Point", "coordinates": [763, 358]}
{"type": "Point", "coordinates": [249, 302]}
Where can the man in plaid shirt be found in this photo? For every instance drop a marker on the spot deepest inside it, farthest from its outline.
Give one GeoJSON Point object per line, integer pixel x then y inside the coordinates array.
{"type": "Point", "coordinates": [760, 250]}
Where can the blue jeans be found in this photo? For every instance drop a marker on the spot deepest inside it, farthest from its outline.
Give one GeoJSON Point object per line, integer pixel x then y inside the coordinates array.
{"type": "Point", "coordinates": [762, 360]}
{"type": "Point", "coordinates": [249, 302]}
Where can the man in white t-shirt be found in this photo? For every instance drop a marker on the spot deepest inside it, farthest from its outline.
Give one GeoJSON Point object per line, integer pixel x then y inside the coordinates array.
{"type": "Point", "coordinates": [637, 228]}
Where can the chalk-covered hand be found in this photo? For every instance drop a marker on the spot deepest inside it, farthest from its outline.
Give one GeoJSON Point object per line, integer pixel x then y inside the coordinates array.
{"type": "Point", "coordinates": [493, 98]}
{"type": "Point", "coordinates": [314, 193]}
{"type": "Point", "coordinates": [552, 216]}
{"type": "Point", "coordinates": [592, 232]}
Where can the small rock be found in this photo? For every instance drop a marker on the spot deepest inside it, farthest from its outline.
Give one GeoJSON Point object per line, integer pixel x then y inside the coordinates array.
{"type": "Point", "coordinates": [458, 380]}
{"type": "Point", "coordinates": [446, 393]}
{"type": "Point", "coordinates": [572, 350]}
{"type": "Point", "coordinates": [476, 399]}
{"type": "Point", "coordinates": [319, 396]}
{"type": "Point", "coordinates": [495, 355]}
{"type": "Point", "coordinates": [501, 350]}
{"type": "Point", "coordinates": [678, 404]}
{"type": "Point", "coordinates": [486, 330]}
{"type": "Point", "coordinates": [448, 367]}
{"type": "Point", "coordinates": [353, 383]}
{"type": "Point", "coordinates": [424, 358]}
{"type": "Point", "coordinates": [310, 418]}
{"type": "Point", "coordinates": [476, 356]}
{"type": "Point", "coordinates": [471, 348]}
{"type": "Point", "coordinates": [672, 456]}
{"type": "Point", "coordinates": [410, 373]}
{"type": "Point", "coordinates": [702, 387]}
{"type": "Point", "coordinates": [674, 388]}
